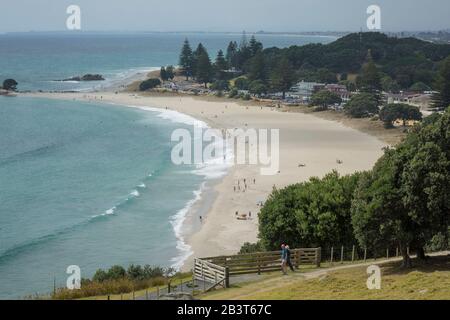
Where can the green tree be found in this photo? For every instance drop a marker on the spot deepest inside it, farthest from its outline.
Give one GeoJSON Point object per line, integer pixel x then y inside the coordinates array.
{"type": "Point", "coordinates": [313, 213]}
{"type": "Point", "coordinates": [204, 70]}
{"type": "Point", "coordinates": [163, 74]}
{"type": "Point", "coordinates": [220, 65]}
{"type": "Point", "coordinates": [400, 111]}
{"type": "Point", "coordinates": [257, 87]}
{"type": "Point", "coordinates": [361, 106]}
{"type": "Point", "coordinates": [241, 83]}
{"type": "Point", "coordinates": [10, 85]}
{"type": "Point", "coordinates": [186, 59]}
{"type": "Point", "coordinates": [404, 200]}
{"type": "Point", "coordinates": [135, 272]}
{"type": "Point", "coordinates": [257, 69]}
{"type": "Point", "coordinates": [220, 85]}
{"type": "Point", "coordinates": [100, 276]}
{"type": "Point", "coordinates": [149, 84]}
{"type": "Point", "coordinates": [170, 70]}
{"type": "Point", "coordinates": [389, 85]}
{"type": "Point", "coordinates": [441, 100]}
{"type": "Point", "coordinates": [419, 87]}
{"type": "Point", "coordinates": [231, 56]}
{"type": "Point", "coordinates": [324, 98]}
{"type": "Point", "coordinates": [370, 80]}
{"type": "Point", "coordinates": [283, 77]}
{"type": "Point", "coordinates": [116, 272]}
{"type": "Point", "coordinates": [255, 46]}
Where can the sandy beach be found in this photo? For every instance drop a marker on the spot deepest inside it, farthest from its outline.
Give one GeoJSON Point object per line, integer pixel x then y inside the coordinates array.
{"type": "Point", "coordinates": [305, 139]}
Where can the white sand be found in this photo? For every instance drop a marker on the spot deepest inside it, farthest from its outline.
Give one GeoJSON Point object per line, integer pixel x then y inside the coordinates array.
{"type": "Point", "coordinates": [304, 138]}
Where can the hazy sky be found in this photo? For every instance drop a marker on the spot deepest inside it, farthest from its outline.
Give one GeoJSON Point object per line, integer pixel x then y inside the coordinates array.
{"type": "Point", "coordinates": [223, 15]}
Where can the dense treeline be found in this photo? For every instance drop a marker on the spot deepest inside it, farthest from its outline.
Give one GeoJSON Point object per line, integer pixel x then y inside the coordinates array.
{"type": "Point", "coordinates": [403, 63]}
{"type": "Point", "coordinates": [403, 201]}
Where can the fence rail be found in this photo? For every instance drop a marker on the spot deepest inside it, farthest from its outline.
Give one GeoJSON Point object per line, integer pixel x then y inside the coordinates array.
{"type": "Point", "coordinates": [260, 261]}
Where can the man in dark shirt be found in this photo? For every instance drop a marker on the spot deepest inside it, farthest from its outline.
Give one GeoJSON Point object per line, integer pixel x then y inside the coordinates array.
{"type": "Point", "coordinates": [288, 258]}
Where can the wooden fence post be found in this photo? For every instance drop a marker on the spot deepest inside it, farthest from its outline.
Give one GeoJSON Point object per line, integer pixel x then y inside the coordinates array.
{"type": "Point", "coordinates": [365, 254]}
{"type": "Point", "coordinates": [353, 253]}
{"type": "Point", "coordinates": [227, 277]}
{"type": "Point", "coordinates": [258, 260]}
{"type": "Point", "coordinates": [331, 256]}
{"type": "Point", "coordinates": [318, 257]}
{"type": "Point", "coordinates": [342, 254]}
{"type": "Point", "coordinates": [396, 252]}
{"type": "Point", "coordinates": [387, 253]}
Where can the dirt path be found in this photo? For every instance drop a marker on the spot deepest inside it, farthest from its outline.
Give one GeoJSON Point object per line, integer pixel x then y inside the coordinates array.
{"type": "Point", "coordinates": [273, 282]}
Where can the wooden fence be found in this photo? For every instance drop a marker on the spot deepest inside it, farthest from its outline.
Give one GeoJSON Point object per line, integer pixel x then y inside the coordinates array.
{"type": "Point", "coordinates": [210, 272]}
{"type": "Point", "coordinates": [260, 261]}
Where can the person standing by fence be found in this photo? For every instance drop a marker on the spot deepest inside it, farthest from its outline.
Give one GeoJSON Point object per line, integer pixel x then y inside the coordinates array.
{"type": "Point", "coordinates": [288, 258]}
{"type": "Point", "coordinates": [283, 259]}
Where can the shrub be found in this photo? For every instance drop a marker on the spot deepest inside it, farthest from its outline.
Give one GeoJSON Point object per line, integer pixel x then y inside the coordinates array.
{"type": "Point", "coordinates": [10, 84]}
{"type": "Point", "coordinates": [233, 93]}
{"type": "Point", "coordinates": [251, 247]}
{"type": "Point", "coordinates": [241, 83]}
{"type": "Point", "coordinates": [149, 84]}
{"type": "Point", "coordinates": [219, 85]}
{"type": "Point", "coordinates": [257, 87]}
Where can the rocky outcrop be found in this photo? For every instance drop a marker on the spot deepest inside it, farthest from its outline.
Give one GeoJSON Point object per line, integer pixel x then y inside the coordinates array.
{"type": "Point", "coordinates": [86, 77]}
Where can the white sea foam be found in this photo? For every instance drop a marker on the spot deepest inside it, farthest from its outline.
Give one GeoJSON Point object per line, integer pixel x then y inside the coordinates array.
{"type": "Point", "coordinates": [211, 169]}
{"type": "Point", "coordinates": [135, 193]}
{"type": "Point", "coordinates": [175, 116]}
{"type": "Point", "coordinates": [177, 222]}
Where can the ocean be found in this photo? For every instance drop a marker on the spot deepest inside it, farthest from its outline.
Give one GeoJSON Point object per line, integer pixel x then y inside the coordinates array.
{"type": "Point", "coordinates": [86, 183]}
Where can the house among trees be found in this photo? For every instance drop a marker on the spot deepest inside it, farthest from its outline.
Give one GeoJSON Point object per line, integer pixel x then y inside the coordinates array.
{"type": "Point", "coordinates": [340, 90]}
{"type": "Point", "coordinates": [304, 90]}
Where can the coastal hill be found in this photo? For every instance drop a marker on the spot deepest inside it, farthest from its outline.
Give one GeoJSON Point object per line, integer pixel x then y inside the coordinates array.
{"type": "Point", "coordinates": [405, 60]}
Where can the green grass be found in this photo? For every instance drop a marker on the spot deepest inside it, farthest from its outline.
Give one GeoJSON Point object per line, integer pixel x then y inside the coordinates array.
{"type": "Point", "coordinates": [427, 280]}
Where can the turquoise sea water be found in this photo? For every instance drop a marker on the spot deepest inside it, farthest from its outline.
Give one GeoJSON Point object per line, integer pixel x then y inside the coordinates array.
{"type": "Point", "coordinates": [90, 184]}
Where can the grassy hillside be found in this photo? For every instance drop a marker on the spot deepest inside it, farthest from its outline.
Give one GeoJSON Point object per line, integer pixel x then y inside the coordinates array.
{"type": "Point", "coordinates": [429, 280]}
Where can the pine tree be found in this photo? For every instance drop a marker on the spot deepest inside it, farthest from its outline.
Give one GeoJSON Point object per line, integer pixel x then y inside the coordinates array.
{"type": "Point", "coordinates": [186, 59]}
{"type": "Point", "coordinates": [163, 74]}
{"type": "Point", "coordinates": [370, 80]}
{"type": "Point", "coordinates": [257, 69]}
{"type": "Point", "coordinates": [195, 57]}
{"type": "Point", "coordinates": [220, 65]}
{"type": "Point", "coordinates": [441, 99]}
{"type": "Point", "coordinates": [231, 54]}
{"type": "Point", "coordinates": [283, 76]}
{"type": "Point", "coordinates": [255, 46]}
{"type": "Point", "coordinates": [204, 68]}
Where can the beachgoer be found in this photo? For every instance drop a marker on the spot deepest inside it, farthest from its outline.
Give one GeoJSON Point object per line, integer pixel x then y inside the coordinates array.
{"type": "Point", "coordinates": [288, 258]}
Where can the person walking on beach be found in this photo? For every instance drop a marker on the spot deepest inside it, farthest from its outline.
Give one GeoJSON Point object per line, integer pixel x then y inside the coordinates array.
{"type": "Point", "coordinates": [288, 258]}
{"type": "Point", "coordinates": [283, 259]}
